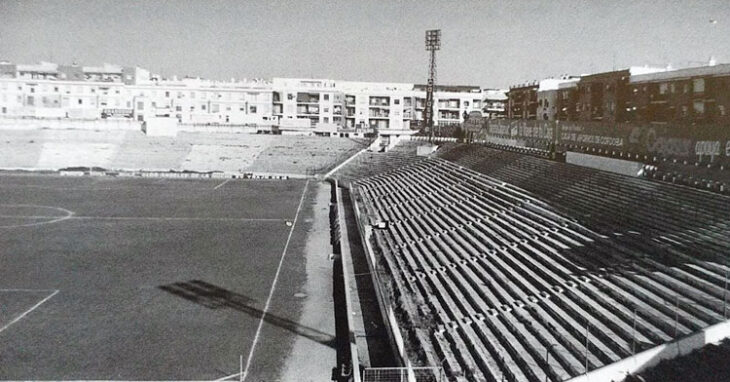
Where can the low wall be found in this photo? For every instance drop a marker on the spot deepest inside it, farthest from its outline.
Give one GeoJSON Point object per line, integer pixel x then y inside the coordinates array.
{"type": "Point", "coordinates": [425, 138]}
{"type": "Point", "coordinates": [12, 123]}
{"type": "Point", "coordinates": [347, 272]}
{"type": "Point", "coordinates": [425, 150]}
{"type": "Point", "coordinates": [386, 306]}
{"type": "Point", "coordinates": [202, 128]}
{"type": "Point", "coordinates": [618, 166]}
{"type": "Point", "coordinates": [617, 371]}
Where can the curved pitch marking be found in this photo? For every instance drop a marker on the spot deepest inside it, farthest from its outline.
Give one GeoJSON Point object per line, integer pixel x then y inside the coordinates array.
{"type": "Point", "coordinates": [53, 219]}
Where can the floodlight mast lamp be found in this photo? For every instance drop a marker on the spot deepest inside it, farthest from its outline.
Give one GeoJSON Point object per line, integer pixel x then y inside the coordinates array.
{"type": "Point", "coordinates": [433, 43]}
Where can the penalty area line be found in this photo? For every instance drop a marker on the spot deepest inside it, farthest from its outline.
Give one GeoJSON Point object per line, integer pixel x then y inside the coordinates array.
{"type": "Point", "coordinates": [34, 307]}
{"type": "Point", "coordinates": [273, 285]}
{"type": "Point", "coordinates": [222, 184]}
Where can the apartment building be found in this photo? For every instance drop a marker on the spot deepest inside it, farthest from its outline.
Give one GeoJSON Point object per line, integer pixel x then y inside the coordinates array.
{"type": "Point", "coordinates": [196, 101]}
{"type": "Point", "coordinates": [692, 96]}
{"type": "Point", "coordinates": [549, 94]}
{"type": "Point", "coordinates": [48, 90]}
{"type": "Point", "coordinates": [600, 97]}
{"type": "Point", "coordinates": [389, 108]}
{"type": "Point", "coordinates": [494, 103]}
{"type": "Point", "coordinates": [522, 101]}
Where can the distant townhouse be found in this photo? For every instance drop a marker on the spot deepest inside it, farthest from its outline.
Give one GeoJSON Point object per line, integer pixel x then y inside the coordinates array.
{"type": "Point", "coordinates": [522, 101]}
{"type": "Point", "coordinates": [549, 102]}
{"type": "Point", "coordinates": [692, 96]}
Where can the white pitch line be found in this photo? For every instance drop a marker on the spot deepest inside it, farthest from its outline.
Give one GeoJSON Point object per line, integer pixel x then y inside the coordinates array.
{"type": "Point", "coordinates": [228, 377]}
{"type": "Point", "coordinates": [31, 216]}
{"type": "Point", "coordinates": [140, 218]}
{"type": "Point", "coordinates": [26, 290]}
{"type": "Point", "coordinates": [29, 310]}
{"type": "Point", "coordinates": [221, 185]}
{"type": "Point", "coordinates": [273, 286]}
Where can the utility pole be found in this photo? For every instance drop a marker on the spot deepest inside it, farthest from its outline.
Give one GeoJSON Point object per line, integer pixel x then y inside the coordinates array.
{"type": "Point", "coordinates": [433, 43]}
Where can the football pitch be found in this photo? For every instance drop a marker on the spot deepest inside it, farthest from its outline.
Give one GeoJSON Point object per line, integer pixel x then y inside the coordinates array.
{"type": "Point", "coordinates": [150, 279]}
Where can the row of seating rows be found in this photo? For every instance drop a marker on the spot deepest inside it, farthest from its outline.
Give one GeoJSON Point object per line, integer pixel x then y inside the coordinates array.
{"type": "Point", "coordinates": [371, 163]}
{"type": "Point", "coordinates": [709, 173]}
{"type": "Point", "coordinates": [514, 289]}
{"type": "Point", "coordinates": [606, 201]}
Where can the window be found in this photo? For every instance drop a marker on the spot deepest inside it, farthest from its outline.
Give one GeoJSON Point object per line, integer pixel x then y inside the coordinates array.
{"type": "Point", "coordinates": [178, 108]}
{"type": "Point", "coordinates": [81, 102]}
{"type": "Point", "coordinates": [167, 94]}
{"type": "Point", "coordinates": [326, 120]}
{"type": "Point", "coordinates": [698, 85]}
{"type": "Point", "coordinates": [326, 110]}
{"type": "Point", "coordinates": [326, 97]}
{"type": "Point", "coordinates": [55, 89]}
{"type": "Point", "coordinates": [140, 105]}
{"type": "Point", "coordinates": [202, 107]}
{"type": "Point", "coordinates": [32, 90]}
{"type": "Point", "coordinates": [673, 87]}
{"type": "Point", "coordinates": [685, 88]}
{"type": "Point", "coordinates": [290, 96]}
{"type": "Point", "coordinates": [154, 104]}
{"type": "Point", "coordinates": [699, 108]}
{"type": "Point", "coordinates": [721, 110]}
{"type": "Point", "coordinates": [663, 88]}
{"type": "Point", "coordinates": [685, 111]}
{"type": "Point", "coordinates": [396, 101]}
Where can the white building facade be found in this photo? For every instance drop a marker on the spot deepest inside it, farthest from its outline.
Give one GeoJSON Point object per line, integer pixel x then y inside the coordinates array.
{"type": "Point", "coordinates": [49, 90]}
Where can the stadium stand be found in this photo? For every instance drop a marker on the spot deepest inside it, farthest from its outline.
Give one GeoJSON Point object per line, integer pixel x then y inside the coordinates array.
{"type": "Point", "coordinates": [132, 150]}
{"type": "Point", "coordinates": [371, 163]}
{"type": "Point", "coordinates": [532, 270]}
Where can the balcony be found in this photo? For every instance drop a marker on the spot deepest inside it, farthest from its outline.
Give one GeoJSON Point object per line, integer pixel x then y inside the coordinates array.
{"type": "Point", "coordinates": [307, 98]}
{"type": "Point", "coordinates": [449, 104]}
{"type": "Point", "coordinates": [380, 101]}
{"type": "Point", "coordinates": [374, 113]}
{"type": "Point", "coordinates": [307, 110]}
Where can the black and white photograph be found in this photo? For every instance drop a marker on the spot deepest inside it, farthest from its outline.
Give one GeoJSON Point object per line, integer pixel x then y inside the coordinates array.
{"type": "Point", "coordinates": [365, 190]}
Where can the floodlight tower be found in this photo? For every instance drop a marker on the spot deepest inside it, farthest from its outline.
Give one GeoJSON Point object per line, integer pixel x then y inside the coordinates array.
{"type": "Point", "coordinates": [433, 43]}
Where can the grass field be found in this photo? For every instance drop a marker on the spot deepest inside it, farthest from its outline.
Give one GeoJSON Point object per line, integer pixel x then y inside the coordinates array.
{"type": "Point", "coordinates": [149, 279]}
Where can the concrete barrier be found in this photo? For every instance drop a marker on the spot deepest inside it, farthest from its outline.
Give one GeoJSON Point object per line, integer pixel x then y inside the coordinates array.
{"type": "Point", "coordinates": [617, 371]}
{"type": "Point", "coordinates": [347, 271]}
{"type": "Point", "coordinates": [386, 306]}
{"type": "Point", "coordinates": [618, 166]}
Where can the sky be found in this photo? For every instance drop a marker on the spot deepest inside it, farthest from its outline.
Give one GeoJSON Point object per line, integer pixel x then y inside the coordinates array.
{"type": "Point", "coordinates": [484, 43]}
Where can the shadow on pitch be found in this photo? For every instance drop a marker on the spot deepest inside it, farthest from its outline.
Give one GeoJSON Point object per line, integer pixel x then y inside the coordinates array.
{"type": "Point", "coordinates": [214, 297]}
